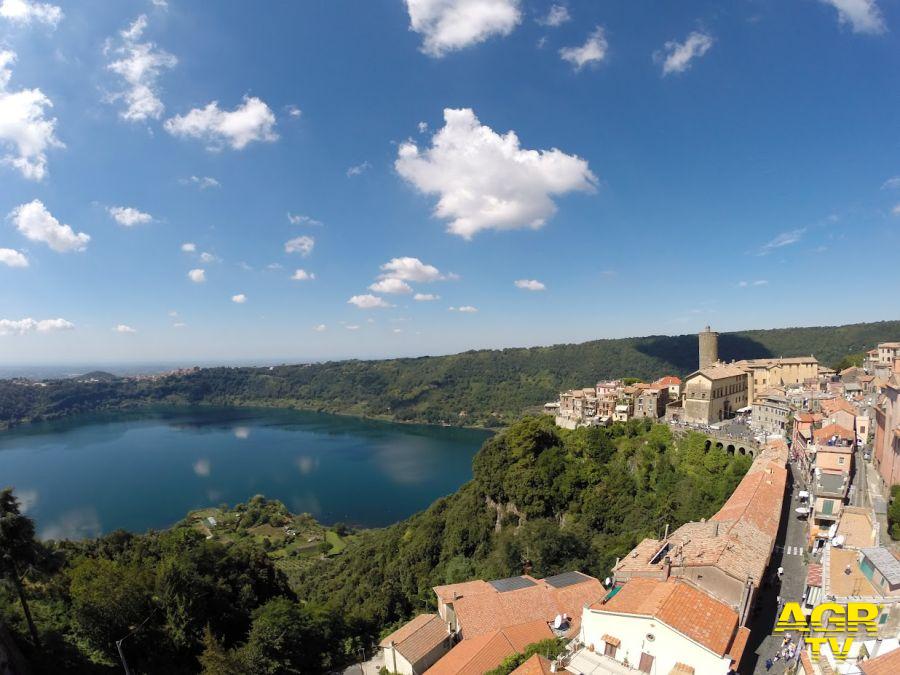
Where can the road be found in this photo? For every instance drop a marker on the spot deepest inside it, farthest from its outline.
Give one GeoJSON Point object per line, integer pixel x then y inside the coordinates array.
{"type": "Point", "coordinates": [790, 546]}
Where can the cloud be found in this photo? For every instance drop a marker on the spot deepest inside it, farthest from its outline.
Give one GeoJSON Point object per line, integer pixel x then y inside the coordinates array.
{"type": "Point", "coordinates": [864, 16]}
{"type": "Point", "coordinates": [12, 258]}
{"type": "Point", "coordinates": [592, 51]}
{"type": "Point", "coordinates": [303, 220]}
{"type": "Point", "coordinates": [465, 309]}
{"type": "Point", "coordinates": [896, 210]}
{"type": "Point", "coordinates": [369, 301]}
{"type": "Point", "coordinates": [426, 297]}
{"type": "Point", "coordinates": [358, 169]}
{"type": "Point", "coordinates": [320, 328]}
{"type": "Point", "coordinates": [391, 285]}
{"type": "Point", "coordinates": [293, 111]}
{"type": "Point", "coordinates": [198, 276]}
{"type": "Point", "coordinates": [206, 257]}
{"type": "Point", "coordinates": [783, 239]}
{"type": "Point", "coordinates": [128, 216]}
{"type": "Point", "coordinates": [556, 16]}
{"type": "Point", "coordinates": [179, 324]}
{"type": "Point", "coordinates": [29, 325]}
{"type": "Point", "coordinates": [37, 224]}
{"type": "Point", "coordinates": [397, 330]}
{"type": "Point", "coordinates": [239, 299]}
{"type": "Point", "coordinates": [189, 247]}
{"type": "Point", "coordinates": [251, 121]}
{"type": "Point", "coordinates": [487, 181]}
{"type": "Point", "coordinates": [202, 467]}
{"type": "Point", "coordinates": [447, 25]}
{"type": "Point", "coordinates": [25, 131]}
{"type": "Point", "coordinates": [891, 183]}
{"type": "Point", "coordinates": [202, 182]}
{"type": "Point", "coordinates": [302, 275]}
{"type": "Point", "coordinates": [302, 245]}
{"type": "Point", "coordinates": [758, 282]}
{"type": "Point", "coordinates": [412, 269]}
{"type": "Point", "coordinates": [351, 326]}
{"type": "Point", "coordinates": [122, 328]}
{"type": "Point", "coordinates": [26, 11]}
{"type": "Point", "coordinates": [242, 433]}
{"type": "Point", "coordinates": [530, 285]}
{"type": "Point", "coordinates": [422, 127]}
{"type": "Point", "coordinates": [162, 4]}
{"type": "Point", "coordinates": [139, 64]}
{"type": "Point", "coordinates": [676, 57]}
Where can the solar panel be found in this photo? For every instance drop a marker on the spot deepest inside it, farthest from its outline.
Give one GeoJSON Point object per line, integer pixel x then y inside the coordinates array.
{"type": "Point", "coordinates": [566, 579]}
{"type": "Point", "coordinates": [511, 584]}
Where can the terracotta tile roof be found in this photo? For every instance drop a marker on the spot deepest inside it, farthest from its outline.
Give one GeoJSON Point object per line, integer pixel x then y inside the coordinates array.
{"type": "Point", "coordinates": [832, 405]}
{"type": "Point", "coordinates": [736, 651]}
{"type": "Point", "coordinates": [757, 498]}
{"type": "Point", "coordinates": [825, 433]}
{"type": "Point", "coordinates": [668, 381]}
{"type": "Point", "coordinates": [614, 641]}
{"type": "Point", "coordinates": [886, 664]}
{"type": "Point", "coordinates": [806, 663]}
{"type": "Point", "coordinates": [684, 608]}
{"type": "Point", "coordinates": [419, 637]}
{"type": "Point", "coordinates": [482, 612]}
{"type": "Point", "coordinates": [814, 575]}
{"type": "Point", "coordinates": [682, 669]}
{"type": "Point", "coordinates": [719, 372]}
{"type": "Point", "coordinates": [451, 592]}
{"type": "Point", "coordinates": [536, 665]}
{"type": "Point", "coordinates": [476, 655]}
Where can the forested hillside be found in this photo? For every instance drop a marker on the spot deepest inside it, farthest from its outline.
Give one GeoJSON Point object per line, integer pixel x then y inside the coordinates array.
{"type": "Point", "coordinates": [489, 387]}
{"type": "Point", "coordinates": [542, 500]}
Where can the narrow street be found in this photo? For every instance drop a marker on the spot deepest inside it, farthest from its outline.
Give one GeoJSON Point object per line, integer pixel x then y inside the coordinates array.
{"type": "Point", "coordinates": [790, 554]}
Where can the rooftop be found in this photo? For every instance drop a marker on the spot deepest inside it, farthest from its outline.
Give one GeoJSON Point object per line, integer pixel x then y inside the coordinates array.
{"type": "Point", "coordinates": [857, 527]}
{"type": "Point", "coordinates": [843, 578]}
{"type": "Point", "coordinates": [886, 664]}
{"type": "Point", "coordinates": [417, 638]}
{"type": "Point", "coordinates": [826, 433]}
{"type": "Point", "coordinates": [885, 562]}
{"type": "Point", "coordinates": [536, 665]}
{"type": "Point", "coordinates": [476, 655]}
{"type": "Point", "coordinates": [684, 608]}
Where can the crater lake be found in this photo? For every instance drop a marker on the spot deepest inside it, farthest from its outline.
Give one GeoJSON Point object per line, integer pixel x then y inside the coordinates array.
{"type": "Point", "coordinates": [90, 474]}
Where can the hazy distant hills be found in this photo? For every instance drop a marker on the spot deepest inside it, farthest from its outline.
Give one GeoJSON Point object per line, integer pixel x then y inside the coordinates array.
{"type": "Point", "coordinates": [486, 387]}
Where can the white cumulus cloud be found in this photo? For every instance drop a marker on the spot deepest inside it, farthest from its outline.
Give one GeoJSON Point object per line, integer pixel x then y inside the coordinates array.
{"type": "Point", "coordinates": [302, 245]}
{"type": "Point", "coordinates": [189, 247]}
{"type": "Point", "coordinates": [29, 325]}
{"type": "Point", "coordinates": [426, 297]}
{"type": "Point", "coordinates": [465, 309]}
{"type": "Point", "coordinates": [129, 216]}
{"type": "Point", "coordinates": [488, 181]}
{"type": "Point", "coordinates": [556, 16]}
{"type": "Point", "coordinates": [530, 285]}
{"type": "Point", "coordinates": [201, 182]}
{"type": "Point", "coordinates": [253, 120]}
{"type": "Point", "coordinates": [447, 25]}
{"type": "Point", "coordinates": [592, 51]}
{"type": "Point", "coordinates": [239, 299]}
{"type": "Point", "coordinates": [412, 269]}
{"type": "Point", "coordinates": [26, 11]}
{"type": "Point", "coordinates": [26, 133]}
{"type": "Point", "coordinates": [12, 258]}
{"type": "Point", "coordinates": [368, 301]}
{"type": "Point", "coordinates": [198, 276]}
{"type": "Point", "coordinates": [297, 219]}
{"type": "Point", "coordinates": [123, 328]}
{"type": "Point", "coordinates": [302, 275]}
{"type": "Point", "coordinates": [140, 65]}
{"type": "Point", "coordinates": [676, 57]}
{"type": "Point", "coordinates": [391, 285]}
{"type": "Point", "coordinates": [864, 16]}
{"type": "Point", "coordinates": [35, 222]}
{"type": "Point", "coordinates": [357, 169]}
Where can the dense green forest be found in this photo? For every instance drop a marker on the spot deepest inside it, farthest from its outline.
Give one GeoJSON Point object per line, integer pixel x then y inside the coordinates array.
{"type": "Point", "coordinates": [487, 388]}
{"type": "Point", "coordinates": [542, 500]}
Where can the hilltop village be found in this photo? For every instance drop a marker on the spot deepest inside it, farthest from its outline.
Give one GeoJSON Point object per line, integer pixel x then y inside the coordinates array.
{"type": "Point", "coordinates": [807, 524]}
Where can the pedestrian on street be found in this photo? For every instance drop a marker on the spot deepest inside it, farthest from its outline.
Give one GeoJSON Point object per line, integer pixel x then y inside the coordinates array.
{"type": "Point", "coordinates": [769, 664]}
{"type": "Point", "coordinates": [780, 573]}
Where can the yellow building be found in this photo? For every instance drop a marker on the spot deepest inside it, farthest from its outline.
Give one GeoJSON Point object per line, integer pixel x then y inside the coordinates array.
{"type": "Point", "coordinates": [714, 394]}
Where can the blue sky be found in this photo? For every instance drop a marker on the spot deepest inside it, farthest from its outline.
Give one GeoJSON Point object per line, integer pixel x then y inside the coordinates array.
{"type": "Point", "coordinates": [637, 167]}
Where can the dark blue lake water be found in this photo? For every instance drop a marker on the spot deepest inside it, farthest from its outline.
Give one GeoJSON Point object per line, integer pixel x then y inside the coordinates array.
{"type": "Point", "coordinates": [91, 474]}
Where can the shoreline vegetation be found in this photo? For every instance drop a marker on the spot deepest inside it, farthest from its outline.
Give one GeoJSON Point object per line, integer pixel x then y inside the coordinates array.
{"type": "Point", "coordinates": [486, 389]}
{"type": "Point", "coordinates": [259, 589]}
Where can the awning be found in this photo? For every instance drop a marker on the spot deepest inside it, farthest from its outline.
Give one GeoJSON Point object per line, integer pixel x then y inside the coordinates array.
{"type": "Point", "coordinates": [681, 669]}
{"type": "Point", "coordinates": [614, 641]}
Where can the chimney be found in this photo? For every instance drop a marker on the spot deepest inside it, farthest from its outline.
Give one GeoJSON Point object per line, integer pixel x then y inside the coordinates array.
{"type": "Point", "coordinates": [667, 568]}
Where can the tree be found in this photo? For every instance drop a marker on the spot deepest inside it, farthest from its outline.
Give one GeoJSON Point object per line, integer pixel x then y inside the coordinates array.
{"type": "Point", "coordinates": [216, 660]}
{"type": "Point", "coordinates": [17, 550]}
{"type": "Point", "coordinates": [285, 638]}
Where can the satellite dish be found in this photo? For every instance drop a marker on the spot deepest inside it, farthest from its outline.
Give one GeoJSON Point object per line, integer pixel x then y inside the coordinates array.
{"type": "Point", "coordinates": [607, 581]}
{"type": "Point", "coordinates": [557, 622]}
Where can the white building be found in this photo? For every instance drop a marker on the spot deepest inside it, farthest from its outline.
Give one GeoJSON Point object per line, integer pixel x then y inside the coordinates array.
{"type": "Point", "coordinates": [659, 627]}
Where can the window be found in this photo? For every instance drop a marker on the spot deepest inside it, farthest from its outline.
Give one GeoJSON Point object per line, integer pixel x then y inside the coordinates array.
{"type": "Point", "coordinates": [646, 664]}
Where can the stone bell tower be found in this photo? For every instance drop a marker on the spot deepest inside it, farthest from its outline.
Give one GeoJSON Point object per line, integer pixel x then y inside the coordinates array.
{"type": "Point", "coordinates": [709, 347]}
